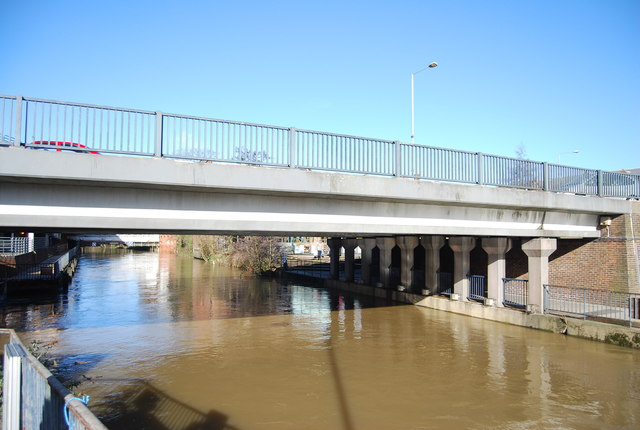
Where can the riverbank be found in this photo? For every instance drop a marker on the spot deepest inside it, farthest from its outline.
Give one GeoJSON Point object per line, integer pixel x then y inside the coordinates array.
{"type": "Point", "coordinates": [585, 329]}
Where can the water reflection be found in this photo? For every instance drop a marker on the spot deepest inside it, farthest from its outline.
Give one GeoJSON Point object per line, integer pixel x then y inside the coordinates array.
{"type": "Point", "coordinates": [132, 288]}
{"type": "Point", "coordinates": [195, 346]}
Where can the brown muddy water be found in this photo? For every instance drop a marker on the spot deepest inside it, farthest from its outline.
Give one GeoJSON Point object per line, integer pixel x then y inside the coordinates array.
{"type": "Point", "coordinates": [166, 342]}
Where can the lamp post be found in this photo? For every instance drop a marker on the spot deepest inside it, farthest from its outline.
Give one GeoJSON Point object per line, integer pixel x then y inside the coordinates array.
{"type": "Point", "coordinates": [575, 151]}
{"type": "Point", "coordinates": [413, 121]}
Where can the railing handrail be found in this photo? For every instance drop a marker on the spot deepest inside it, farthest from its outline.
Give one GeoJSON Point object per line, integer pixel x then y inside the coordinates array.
{"type": "Point", "coordinates": [226, 121]}
{"type": "Point", "coordinates": [87, 105]}
{"type": "Point", "coordinates": [596, 290]}
{"type": "Point", "coordinates": [83, 417]}
{"type": "Point", "coordinates": [592, 303]}
{"type": "Point", "coordinates": [127, 132]}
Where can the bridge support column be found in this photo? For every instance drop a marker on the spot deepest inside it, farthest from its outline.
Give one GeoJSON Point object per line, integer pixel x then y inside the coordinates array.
{"type": "Point", "coordinates": [538, 251]}
{"type": "Point", "coordinates": [349, 263]}
{"type": "Point", "coordinates": [432, 245]}
{"type": "Point", "coordinates": [334, 257]}
{"type": "Point", "coordinates": [461, 247]}
{"type": "Point", "coordinates": [496, 248]}
{"type": "Point", "coordinates": [385, 245]}
{"type": "Point", "coordinates": [407, 246]}
{"type": "Point", "coordinates": [366, 248]}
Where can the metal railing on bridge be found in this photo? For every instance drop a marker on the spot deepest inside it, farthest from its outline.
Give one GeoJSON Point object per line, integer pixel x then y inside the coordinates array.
{"type": "Point", "coordinates": [55, 125]}
{"type": "Point", "coordinates": [601, 305]}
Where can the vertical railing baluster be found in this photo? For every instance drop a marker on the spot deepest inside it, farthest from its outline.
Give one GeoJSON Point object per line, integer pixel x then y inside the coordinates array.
{"type": "Point", "coordinates": [292, 147]}
{"type": "Point", "coordinates": [398, 166]}
{"type": "Point", "coordinates": [600, 190]}
{"type": "Point", "coordinates": [158, 135]}
{"type": "Point", "coordinates": [18, 131]}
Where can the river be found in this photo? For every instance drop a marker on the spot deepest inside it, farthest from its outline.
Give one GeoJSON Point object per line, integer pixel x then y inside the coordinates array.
{"type": "Point", "coordinates": [161, 341]}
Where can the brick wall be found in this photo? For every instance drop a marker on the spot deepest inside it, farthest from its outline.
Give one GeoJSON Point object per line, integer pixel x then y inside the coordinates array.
{"type": "Point", "coordinates": [609, 262]}
{"type": "Point", "coordinates": [168, 243]}
{"type": "Point", "coordinates": [599, 264]}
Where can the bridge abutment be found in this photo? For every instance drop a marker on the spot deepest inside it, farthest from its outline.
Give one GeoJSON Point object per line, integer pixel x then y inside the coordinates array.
{"type": "Point", "coordinates": [538, 251]}
{"type": "Point", "coordinates": [496, 249]}
{"type": "Point", "coordinates": [461, 247]}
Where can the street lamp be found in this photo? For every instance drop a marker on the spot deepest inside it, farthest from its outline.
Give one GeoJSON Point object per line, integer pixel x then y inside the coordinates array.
{"type": "Point", "coordinates": [413, 121]}
{"type": "Point", "coordinates": [575, 151]}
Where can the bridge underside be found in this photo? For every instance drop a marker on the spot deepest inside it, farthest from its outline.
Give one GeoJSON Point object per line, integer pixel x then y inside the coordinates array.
{"type": "Point", "coordinates": [48, 191]}
{"type": "Point", "coordinates": [73, 208]}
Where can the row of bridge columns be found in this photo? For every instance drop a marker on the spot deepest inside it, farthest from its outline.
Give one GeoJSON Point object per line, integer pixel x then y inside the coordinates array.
{"type": "Point", "coordinates": [537, 250]}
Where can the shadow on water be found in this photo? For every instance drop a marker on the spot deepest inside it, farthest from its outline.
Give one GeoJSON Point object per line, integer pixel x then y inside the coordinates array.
{"type": "Point", "coordinates": [72, 368]}
{"type": "Point", "coordinates": [144, 407]}
{"type": "Point", "coordinates": [340, 391]}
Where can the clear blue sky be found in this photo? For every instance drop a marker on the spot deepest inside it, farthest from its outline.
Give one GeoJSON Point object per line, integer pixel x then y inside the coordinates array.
{"type": "Point", "coordinates": [552, 76]}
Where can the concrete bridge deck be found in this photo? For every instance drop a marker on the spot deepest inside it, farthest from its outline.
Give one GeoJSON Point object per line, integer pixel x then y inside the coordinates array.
{"type": "Point", "coordinates": [69, 192]}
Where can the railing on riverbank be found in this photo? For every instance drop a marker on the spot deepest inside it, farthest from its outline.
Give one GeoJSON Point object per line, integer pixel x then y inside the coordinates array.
{"type": "Point", "coordinates": [310, 267]}
{"type": "Point", "coordinates": [477, 287]}
{"type": "Point", "coordinates": [55, 125]}
{"type": "Point", "coordinates": [34, 398]}
{"type": "Point", "coordinates": [515, 292]}
{"type": "Point", "coordinates": [602, 305]}
{"type": "Point", "coordinates": [50, 269]}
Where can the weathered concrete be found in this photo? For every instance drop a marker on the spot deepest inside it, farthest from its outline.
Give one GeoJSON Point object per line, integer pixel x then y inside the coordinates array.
{"type": "Point", "coordinates": [432, 245]}
{"type": "Point", "coordinates": [385, 245]}
{"type": "Point", "coordinates": [334, 254]}
{"type": "Point", "coordinates": [610, 333]}
{"type": "Point", "coordinates": [366, 248]}
{"type": "Point", "coordinates": [461, 247]}
{"type": "Point", "coordinates": [407, 246]}
{"type": "Point", "coordinates": [496, 248]}
{"type": "Point", "coordinates": [538, 251]}
{"type": "Point", "coordinates": [349, 246]}
{"type": "Point", "coordinates": [41, 190]}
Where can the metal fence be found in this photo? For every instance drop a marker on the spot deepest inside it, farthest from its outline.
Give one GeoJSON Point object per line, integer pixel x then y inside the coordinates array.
{"type": "Point", "coordinates": [310, 267]}
{"type": "Point", "coordinates": [14, 245]}
{"type": "Point", "coordinates": [592, 304]}
{"type": "Point", "coordinates": [34, 398]}
{"type": "Point", "coordinates": [48, 270]}
{"type": "Point", "coordinates": [477, 287]}
{"type": "Point", "coordinates": [54, 125]}
{"type": "Point", "coordinates": [515, 292]}
{"type": "Point", "coordinates": [28, 272]}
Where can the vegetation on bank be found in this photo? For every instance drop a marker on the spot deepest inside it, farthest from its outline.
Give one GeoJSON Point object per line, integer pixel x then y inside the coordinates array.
{"type": "Point", "coordinates": [256, 254]}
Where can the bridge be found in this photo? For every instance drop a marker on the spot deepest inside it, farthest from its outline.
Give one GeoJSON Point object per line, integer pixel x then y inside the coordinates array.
{"type": "Point", "coordinates": [113, 170]}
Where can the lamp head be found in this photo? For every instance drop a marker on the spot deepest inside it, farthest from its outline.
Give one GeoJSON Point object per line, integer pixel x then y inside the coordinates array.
{"type": "Point", "coordinates": [432, 65]}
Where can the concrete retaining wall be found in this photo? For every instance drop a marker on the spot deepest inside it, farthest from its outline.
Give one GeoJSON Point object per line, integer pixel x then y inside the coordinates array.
{"type": "Point", "coordinates": [609, 333]}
